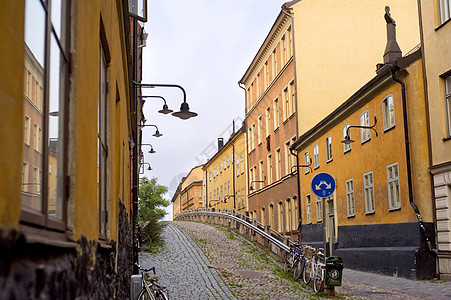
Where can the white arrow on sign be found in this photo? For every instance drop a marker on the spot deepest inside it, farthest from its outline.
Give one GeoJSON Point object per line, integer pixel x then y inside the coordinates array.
{"type": "Point", "coordinates": [328, 186]}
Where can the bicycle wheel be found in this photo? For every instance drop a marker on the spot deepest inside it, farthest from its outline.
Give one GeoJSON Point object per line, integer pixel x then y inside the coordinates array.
{"type": "Point", "coordinates": [145, 295]}
{"type": "Point", "coordinates": [306, 275]}
{"type": "Point", "coordinates": [299, 268]}
{"type": "Point", "coordinates": [161, 295]}
{"type": "Point", "coordinates": [146, 240]}
{"type": "Point", "coordinates": [287, 264]}
{"type": "Point", "coordinates": [318, 283]}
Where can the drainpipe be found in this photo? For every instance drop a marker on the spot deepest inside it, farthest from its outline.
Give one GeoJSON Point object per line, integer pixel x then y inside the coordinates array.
{"type": "Point", "coordinates": [234, 174]}
{"type": "Point", "coordinates": [299, 193]}
{"type": "Point", "coordinates": [393, 70]}
{"type": "Point", "coordinates": [206, 190]}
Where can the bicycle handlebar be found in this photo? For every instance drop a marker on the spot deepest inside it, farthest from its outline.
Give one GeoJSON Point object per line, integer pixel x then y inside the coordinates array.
{"type": "Point", "coordinates": [144, 269]}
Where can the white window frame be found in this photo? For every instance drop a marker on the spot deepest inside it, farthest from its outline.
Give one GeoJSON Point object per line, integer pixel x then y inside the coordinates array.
{"type": "Point", "coordinates": [308, 211]}
{"type": "Point", "coordinates": [393, 182]}
{"type": "Point", "coordinates": [329, 154]}
{"type": "Point", "coordinates": [268, 121]}
{"type": "Point", "coordinates": [365, 134]}
{"type": "Point", "coordinates": [306, 162]}
{"type": "Point", "coordinates": [27, 129]}
{"type": "Point", "coordinates": [388, 112]}
{"type": "Point", "coordinates": [368, 188]}
{"type": "Point", "coordinates": [350, 200]}
{"type": "Point", "coordinates": [274, 66]}
{"type": "Point", "coordinates": [319, 210]}
{"type": "Point", "coordinates": [259, 130]}
{"type": "Point", "coordinates": [288, 165]}
{"type": "Point", "coordinates": [242, 163]}
{"type": "Point", "coordinates": [276, 113]}
{"type": "Point", "coordinates": [292, 96]}
{"type": "Point", "coordinates": [315, 156]}
{"type": "Point", "coordinates": [278, 165]}
{"type": "Point", "coordinates": [286, 103]}
{"type": "Point", "coordinates": [262, 175]}
{"type": "Point", "coordinates": [346, 147]}
{"type": "Point", "coordinates": [444, 10]}
{"type": "Point", "coordinates": [266, 75]}
{"type": "Point", "coordinates": [447, 85]}
{"type": "Point", "coordinates": [269, 167]}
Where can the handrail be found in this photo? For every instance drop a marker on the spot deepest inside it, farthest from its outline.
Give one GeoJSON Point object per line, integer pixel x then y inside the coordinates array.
{"type": "Point", "coordinates": [269, 237]}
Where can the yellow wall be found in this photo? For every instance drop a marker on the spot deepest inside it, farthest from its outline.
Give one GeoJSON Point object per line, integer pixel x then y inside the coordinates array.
{"type": "Point", "coordinates": [437, 51]}
{"type": "Point", "coordinates": [375, 155]}
{"type": "Point", "coordinates": [84, 114]}
{"type": "Point", "coordinates": [11, 110]}
{"type": "Point", "coordinates": [338, 44]}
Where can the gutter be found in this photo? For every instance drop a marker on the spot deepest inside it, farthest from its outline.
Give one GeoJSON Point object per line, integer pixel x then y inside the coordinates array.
{"type": "Point", "coordinates": [393, 70]}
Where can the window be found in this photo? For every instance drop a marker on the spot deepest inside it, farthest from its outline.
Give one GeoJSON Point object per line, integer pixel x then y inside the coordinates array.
{"type": "Point", "coordinates": [251, 178]}
{"type": "Point", "coordinates": [262, 216]}
{"type": "Point", "coordinates": [228, 187]}
{"type": "Point", "coordinates": [308, 202]}
{"type": "Point", "coordinates": [388, 112]}
{"type": "Point", "coordinates": [238, 167]}
{"type": "Point", "coordinates": [274, 64]}
{"type": "Point", "coordinates": [306, 162]}
{"type": "Point", "coordinates": [278, 165]}
{"type": "Point", "coordinates": [444, 10]}
{"type": "Point", "coordinates": [394, 198]}
{"type": "Point", "coordinates": [268, 121]}
{"type": "Point", "coordinates": [448, 102]}
{"type": "Point", "coordinates": [220, 197]}
{"type": "Point", "coordinates": [280, 218]}
{"type": "Point", "coordinates": [276, 114]}
{"type": "Point", "coordinates": [288, 161]}
{"type": "Point", "coordinates": [225, 163]}
{"type": "Point", "coordinates": [220, 167]}
{"type": "Point", "coordinates": [315, 156]}
{"type": "Point", "coordinates": [290, 49]}
{"type": "Point", "coordinates": [249, 139]}
{"type": "Point", "coordinates": [210, 176]}
{"type": "Point", "coordinates": [269, 172]}
{"type": "Point", "coordinates": [319, 209]}
{"type": "Point", "coordinates": [214, 172]}
{"type": "Point", "coordinates": [259, 88]}
{"type": "Point", "coordinates": [41, 192]}
{"type": "Point", "coordinates": [243, 197]}
{"type": "Point", "coordinates": [288, 215]}
{"type": "Point", "coordinates": [292, 102]}
{"type": "Point", "coordinates": [294, 212]}
{"type": "Point", "coordinates": [259, 130]}
{"type": "Point", "coordinates": [242, 164]}
{"type": "Point", "coordinates": [228, 161]}
{"type": "Point", "coordinates": [266, 74]}
{"type": "Point", "coordinates": [253, 136]}
{"type": "Point", "coordinates": [329, 148]}
{"type": "Point", "coordinates": [293, 157]}
{"type": "Point", "coordinates": [262, 174]}
{"type": "Point", "coordinates": [350, 197]}
{"type": "Point", "coordinates": [286, 103]}
{"type": "Point", "coordinates": [102, 145]}
{"type": "Point", "coordinates": [346, 147]}
{"type": "Point", "coordinates": [365, 134]}
{"type": "Point", "coordinates": [284, 49]}
{"type": "Point", "coordinates": [369, 192]}
{"type": "Point", "coordinates": [271, 215]}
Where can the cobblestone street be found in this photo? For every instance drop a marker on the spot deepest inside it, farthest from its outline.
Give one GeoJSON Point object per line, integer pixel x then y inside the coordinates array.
{"type": "Point", "coordinates": [200, 261]}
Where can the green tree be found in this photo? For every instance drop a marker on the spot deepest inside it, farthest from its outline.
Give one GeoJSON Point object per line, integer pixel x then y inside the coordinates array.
{"type": "Point", "coordinates": [151, 206]}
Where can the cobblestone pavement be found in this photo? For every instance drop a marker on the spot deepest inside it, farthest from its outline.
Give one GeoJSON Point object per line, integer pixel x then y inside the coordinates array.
{"type": "Point", "coordinates": [207, 262]}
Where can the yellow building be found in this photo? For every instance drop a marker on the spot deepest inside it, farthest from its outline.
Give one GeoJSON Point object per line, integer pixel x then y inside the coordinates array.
{"type": "Point", "coordinates": [348, 36]}
{"type": "Point", "coordinates": [436, 46]}
{"type": "Point", "coordinates": [188, 195]}
{"type": "Point", "coordinates": [225, 175]}
{"type": "Point", "coordinates": [370, 219]}
{"type": "Point", "coordinates": [67, 117]}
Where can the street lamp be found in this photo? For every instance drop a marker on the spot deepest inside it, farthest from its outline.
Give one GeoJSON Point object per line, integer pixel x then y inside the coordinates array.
{"type": "Point", "coordinates": [165, 110]}
{"type": "Point", "coordinates": [151, 151]}
{"type": "Point", "coordinates": [148, 169]}
{"type": "Point", "coordinates": [251, 187]}
{"type": "Point", "coordinates": [347, 140]}
{"type": "Point", "coordinates": [301, 166]}
{"type": "Point", "coordinates": [216, 201]}
{"type": "Point", "coordinates": [157, 132]}
{"type": "Point", "coordinates": [184, 112]}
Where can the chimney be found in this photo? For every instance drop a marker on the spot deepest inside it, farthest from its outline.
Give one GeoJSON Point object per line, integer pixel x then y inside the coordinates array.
{"type": "Point", "coordinates": [220, 143]}
{"type": "Point", "coordinates": [392, 50]}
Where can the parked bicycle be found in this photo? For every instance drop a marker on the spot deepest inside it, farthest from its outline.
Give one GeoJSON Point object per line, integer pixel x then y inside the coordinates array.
{"type": "Point", "coordinates": [151, 290]}
{"type": "Point", "coordinates": [144, 239]}
{"type": "Point", "coordinates": [315, 269]}
{"type": "Point", "coordinates": [295, 260]}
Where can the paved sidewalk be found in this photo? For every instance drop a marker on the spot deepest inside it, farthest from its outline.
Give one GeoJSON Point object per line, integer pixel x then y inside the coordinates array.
{"type": "Point", "coordinates": [183, 268]}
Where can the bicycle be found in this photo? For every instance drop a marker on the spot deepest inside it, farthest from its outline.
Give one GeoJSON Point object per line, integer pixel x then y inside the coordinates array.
{"type": "Point", "coordinates": [151, 290]}
{"type": "Point", "coordinates": [315, 269]}
{"type": "Point", "coordinates": [146, 240]}
{"type": "Point", "coordinates": [299, 264]}
{"type": "Point", "coordinates": [295, 260]}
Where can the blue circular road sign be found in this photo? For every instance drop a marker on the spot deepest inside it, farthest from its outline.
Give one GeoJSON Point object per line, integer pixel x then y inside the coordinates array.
{"type": "Point", "coordinates": [323, 185]}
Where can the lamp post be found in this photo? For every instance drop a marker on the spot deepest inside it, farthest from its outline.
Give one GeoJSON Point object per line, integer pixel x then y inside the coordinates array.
{"type": "Point", "coordinates": [300, 166]}
{"type": "Point", "coordinates": [165, 110]}
{"type": "Point", "coordinates": [151, 151]}
{"type": "Point", "coordinates": [184, 112]}
{"type": "Point", "coordinates": [251, 188]}
{"type": "Point", "coordinates": [347, 140]}
{"type": "Point", "coordinates": [157, 132]}
{"type": "Point", "coordinates": [148, 169]}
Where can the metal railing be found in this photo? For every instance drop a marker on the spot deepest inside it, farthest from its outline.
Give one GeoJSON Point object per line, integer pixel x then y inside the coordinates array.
{"type": "Point", "coordinates": [243, 220]}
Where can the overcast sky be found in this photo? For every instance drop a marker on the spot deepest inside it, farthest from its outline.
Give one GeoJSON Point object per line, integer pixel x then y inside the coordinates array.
{"type": "Point", "coordinates": [204, 46]}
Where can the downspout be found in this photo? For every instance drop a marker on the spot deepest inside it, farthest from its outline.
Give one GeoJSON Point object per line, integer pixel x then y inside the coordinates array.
{"type": "Point", "coordinates": [299, 193]}
{"type": "Point", "coordinates": [393, 71]}
{"type": "Point", "coordinates": [206, 190]}
{"type": "Point", "coordinates": [135, 148]}
{"type": "Point", "coordinates": [233, 176]}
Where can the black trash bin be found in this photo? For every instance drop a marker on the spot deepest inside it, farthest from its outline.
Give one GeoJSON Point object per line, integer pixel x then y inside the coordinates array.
{"type": "Point", "coordinates": [334, 270]}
